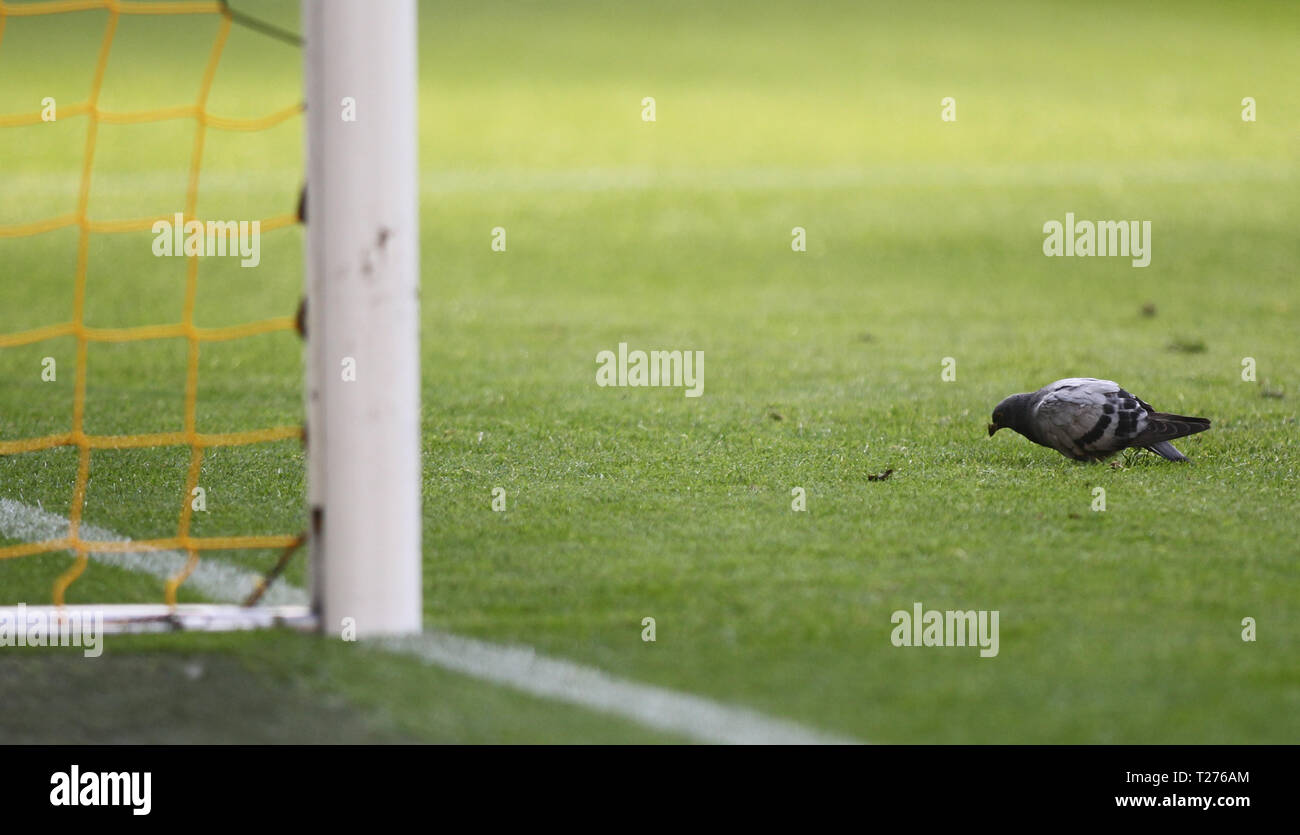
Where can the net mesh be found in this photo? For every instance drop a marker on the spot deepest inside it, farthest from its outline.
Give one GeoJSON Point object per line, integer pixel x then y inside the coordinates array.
{"type": "Point", "coordinates": [185, 329]}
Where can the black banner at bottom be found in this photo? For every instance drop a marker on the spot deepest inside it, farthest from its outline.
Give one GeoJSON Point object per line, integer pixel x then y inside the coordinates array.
{"type": "Point", "coordinates": [246, 785]}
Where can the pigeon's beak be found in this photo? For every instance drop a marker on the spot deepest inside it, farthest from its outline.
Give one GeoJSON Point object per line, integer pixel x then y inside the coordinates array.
{"type": "Point", "coordinates": [993, 427]}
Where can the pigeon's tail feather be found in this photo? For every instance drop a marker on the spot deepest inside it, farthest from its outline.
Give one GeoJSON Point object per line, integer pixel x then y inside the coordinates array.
{"type": "Point", "coordinates": [1166, 427]}
{"type": "Point", "coordinates": [1163, 428]}
{"type": "Point", "coordinates": [1203, 423]}
{"type": "Point", "coordinates": [1166, 451]}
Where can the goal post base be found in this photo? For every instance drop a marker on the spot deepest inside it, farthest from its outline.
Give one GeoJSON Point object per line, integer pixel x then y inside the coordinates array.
{"type": "Point", "coordinates": [38, 625]}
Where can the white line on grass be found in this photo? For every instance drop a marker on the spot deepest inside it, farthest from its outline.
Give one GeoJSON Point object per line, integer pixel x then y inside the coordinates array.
{"type": "Point", "coordinates": [211, 578]}
{"type": "Point", "coordinates": [33, 185]}
{"type": "Point", "coordinates": [523, 669]}
{"type": "Point", "coordinates": [632, 178]}
{"type": "Point", "coordinates": [517, 667]}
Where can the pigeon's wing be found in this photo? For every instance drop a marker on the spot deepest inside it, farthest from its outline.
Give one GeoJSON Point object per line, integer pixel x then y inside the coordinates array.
{"type": "Point", "coordinates": [1086, 418]}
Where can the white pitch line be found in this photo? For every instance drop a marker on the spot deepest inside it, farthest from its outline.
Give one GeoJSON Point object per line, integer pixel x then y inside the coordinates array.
{"type": "Point", "coordinates": [518, 667]}
{"type": "Point", "coordinates": [212, 578]}
{"type": "Point", "coordinates": [632, 178]}
{"type": "Point", "coordinates": [640, 178]}
{"type": "Point", "coordinates": [521, 668]}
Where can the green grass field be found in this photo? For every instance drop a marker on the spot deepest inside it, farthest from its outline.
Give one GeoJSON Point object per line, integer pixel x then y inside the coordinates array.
{"type": "Point", "coordinates": [822, 367]}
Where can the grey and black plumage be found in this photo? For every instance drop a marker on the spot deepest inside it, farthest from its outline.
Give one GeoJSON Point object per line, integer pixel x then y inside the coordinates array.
{"type": "Point", "coordinates": [1089, 419]}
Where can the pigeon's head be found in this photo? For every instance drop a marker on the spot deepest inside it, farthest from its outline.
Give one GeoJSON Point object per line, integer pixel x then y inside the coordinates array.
{"type": "Point", "coordinates": [1010, 413]}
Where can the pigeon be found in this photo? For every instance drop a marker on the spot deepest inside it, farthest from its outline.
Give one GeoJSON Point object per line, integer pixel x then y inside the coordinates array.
{"type": "Point", "coordinates": [1089, 419]}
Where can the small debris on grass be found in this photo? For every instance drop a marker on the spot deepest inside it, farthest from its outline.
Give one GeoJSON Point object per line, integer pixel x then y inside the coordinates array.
{"type": "Point", "coordinates": [881, 476]}
{"type": "Point", "coordinates": [1187, 346]}
{"type": "Point", "coordinates": [866, 337]}
{"type": "Point", "coordinates": [1268, 391]}
{"type": "Point", "coordinates": [1149, 309]}
{"type": "Point", "coordinates": [776, 416]}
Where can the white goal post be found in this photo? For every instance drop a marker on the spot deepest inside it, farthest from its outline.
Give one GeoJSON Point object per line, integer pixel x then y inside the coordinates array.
{"type": "Point", "coordinates": [362, 427]}
{"type": "Point", "coordinates": [362, 322]}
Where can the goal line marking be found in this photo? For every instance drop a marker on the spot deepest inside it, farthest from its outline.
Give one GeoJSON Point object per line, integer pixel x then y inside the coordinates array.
{"type": "Point", "coordinates": [517, 667]}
